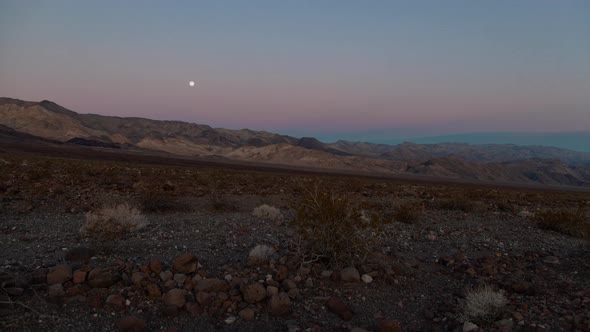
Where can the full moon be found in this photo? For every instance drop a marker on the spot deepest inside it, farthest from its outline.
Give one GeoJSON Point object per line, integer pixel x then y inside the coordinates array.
{"type": "Point", "coordinates": [191, 83]}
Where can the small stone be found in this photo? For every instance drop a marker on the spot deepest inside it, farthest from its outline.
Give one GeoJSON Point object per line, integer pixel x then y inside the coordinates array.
{"type": "Point", "coordinates": [367, 279]}
{"type": "Point", "coordinates": [387, 325]}
{"type": "Point", "coordinates": [131, 324]}
{"type": "Point", "coordinates": [551, 260]}
{"type": "Point", "coordinates": [179, 278]}
{"type": "Point", "coordinates": [293, 292]}
{"type": "Point", "coordinates": [279, 304]}
{"type": "Point", "coordinates": [228, 277]}
{"type": "Point", "coordinates": [469, 327]}
{"type": "Point", "coordinates": [186, 263]}
{"type": "Point", "coordinates": [79, 276]}
{"type": "Point", "coordinates": [137, 277]}
{"type": "Point", "coordinates": [253, 293]}
{"type": "Point", "coordinates": [230, 319]}
{"type": "Point", "coordinates": [211, 285]}
{"type": "Point", "coordinates": [504, 323]}
{"type": "Point", "coordinates": [175, 297]}
{"type": "Point", "coordinates": [155, 266]}
{"type": "Point", "coordinates": [79, 254]}
{"type": "Point", "coordinates": [521, 287]}
{"type": "Point", "coordinates": [271, 290]}
{"type": "Point", "coordinates": [517, 316]}
{"type": "Point", "coordinates": [165, 276]}
{"type": "Point", "coordinates": [153, 291]}
{"type": "Point", "coordinates": [282, 273]}
{"type": "Point", "coordinates": [350, 274]}
{"type": "Point", "coordinates": [326, 274]}
{"type": "Point", "coordinates": [247, 314]}
{"type": "Point", "coordinates": [338, 307]}
{"type": "Point", "coordinates": [56, 290]}
{"type": "Point", "coordinates": [115, 300]}
{"type": "Point", "coordinates": [59, 274]}
{"type": "Point", "coordinates": [103, 278]}
{"type": "Point", "coordinates": [288, 284]}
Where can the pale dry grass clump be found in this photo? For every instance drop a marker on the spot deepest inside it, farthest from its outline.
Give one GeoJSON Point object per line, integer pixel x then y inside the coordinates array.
{"type": "Point", "coordinates": [484, 303]}
{"type": "Point", "coordinates": [260, 254]}
{"type": "Point", "coordinates": [267, 212]}
{"type": "Point", "coordinates": [112, 222]}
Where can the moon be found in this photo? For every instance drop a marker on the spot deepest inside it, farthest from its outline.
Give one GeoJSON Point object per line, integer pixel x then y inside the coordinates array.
{"type": "Point", "coordinates": [191, 83]}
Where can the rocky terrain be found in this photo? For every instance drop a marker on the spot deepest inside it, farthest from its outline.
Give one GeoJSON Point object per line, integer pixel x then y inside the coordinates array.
{"type": "Point", "coordinates": [205, 260]}
{"type": "Point", "coordinates": [49, 121]}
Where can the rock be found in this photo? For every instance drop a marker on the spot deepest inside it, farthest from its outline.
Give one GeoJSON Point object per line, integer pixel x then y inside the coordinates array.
{"type": "Point", "coordinates": [59, 274]}
{"type": "Point", "coordinates": [155, 266]}
{"type": "Point", "coordinates": [165, 276]}
{"type": "Point", "coordinates": [288, 284]}
{"type": "Point", "coordinates": [517, 316]}
{"type": "Point", "coordinates": [230, 320]}
{"type": "Point", "coordinates": [271, 290]}
{"type": "Point", "coordinates": [339, 308]}
{"type": "Point", "coordinates": [551, 260]}
{"type": "Point", "coordinates": [79, 276]}
{"type": "Point", "coordinates": [326, 274]}
{"type": "Point", "coordinates": [521, 287]}
{"type": "Point", "coordinates": [228, 277]}
{"type": "Point", "coordinates": [469, 327]}
{"type": "Point", "coordinates": [179, 278]}
{"type": "Point", "coordinates": [279, 304]}
{"type": "Point", "coordinates": [131, 324]}
{"type": "Point", "coordinates": [282, 273]}
{"type": "Point", "coordinates": [387, 325]}
{"type": "Point", "coordinates": [103, 278]}
{"type": "Point", "coordinates": [504, 323]}
{"type": "Point", "coordinates": [39, 276]}
{"type": "Point", "coordinates": [293, 292]}
{"type": "Point", "coordinates": [211, 285]}
{"type": "Point", "coordinates": [175, 297]}
{"type": "Point", "coordinates": [137, 277]}
{"type": "Point", "coordinates": [204, 298]}
{"type": "Point", "coordinates": [115, 300]}
{"type": "Point", "coordinates": [153, 291]}
{"type": "Point", "coordinates": [367, 279]}
{"type": "Point", "coordinates": [79, 254]}
{"type": "Point", "coordinates": [247, 314]}
{"type": "Point", "coordinates": [194, 309]}
{"type": "Point", "coordinates": [253, 293]}
{"type": "Point", "coordinates": [186, 263]}
{"type": "Point", "coordinates": [350, 274]}
{"type": "Point", "coordinates": [56, 290]}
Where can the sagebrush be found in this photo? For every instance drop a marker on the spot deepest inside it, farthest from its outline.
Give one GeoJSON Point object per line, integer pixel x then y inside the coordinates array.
{"type": "Point", "coordinates": [334, 228]}
{"type": "Point", "coordinates": [112, 222]}
{"type": "Point", "coordinates": [267, 212]}
{"type": "Point", "coordinates": [574, 222]}
{"type": "Point", "coordinates": [484, 304]}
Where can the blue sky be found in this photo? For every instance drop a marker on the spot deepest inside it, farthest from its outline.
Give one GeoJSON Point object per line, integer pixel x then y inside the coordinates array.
{"type": "Point", "coordinates": [322, 68]}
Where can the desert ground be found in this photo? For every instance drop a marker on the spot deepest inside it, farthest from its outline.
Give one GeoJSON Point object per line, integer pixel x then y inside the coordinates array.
{"type": "Point", "coordinates": [404, 255]}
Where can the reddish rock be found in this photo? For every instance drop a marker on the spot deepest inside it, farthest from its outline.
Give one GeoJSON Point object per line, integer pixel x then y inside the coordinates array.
{"type": "Point", "coordinates": [137, 277]}
{"type": "Point", "coordinates": [350, 274]}
{"type": "Point", "coordinates": [131, 324]}
{"type": "Point", "coordinates": [282, 273]}
{"type": "Point", "coordinates": [194, 309]}
{"type": "Point", "coordinates": [103, 278]}
{"type": "Point", "coordinates": [153, 291]}
{"type": "Point", "coordinates": [59, 274]}
{"type": "Point", "coordinates": [175, 297]}
{"type": "Point", "coordinates": [211, 285]}
{"type": "Point", "coordinates": [156, 266]}
{"type": "Point", "coordinates": [186, 263]}
{"type": "Point", "coordinates": [116, 300]}
{"type": "Point", "coordinates": [339, 308]}
{"type": "Point", "coordinates": [388, 326]}
{"type": "Point", "coordinates": [56, 290]}
{"type": "Point", "coordinates": [204, 298]}
{"type": "Point", "coordinates": [279, 304]}
{"type": "Point", "coordinates": [79, 276]}
{"type": "Point", "coordinates": [79, 254]}
{"type": "Point", "coordinates": [247, 314]}
{"type": "Point", "coordinates": [253, 293]}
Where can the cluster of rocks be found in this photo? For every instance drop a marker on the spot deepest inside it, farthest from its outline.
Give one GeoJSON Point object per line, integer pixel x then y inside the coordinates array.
{"type": "Point", "coordinates": [184, 288]}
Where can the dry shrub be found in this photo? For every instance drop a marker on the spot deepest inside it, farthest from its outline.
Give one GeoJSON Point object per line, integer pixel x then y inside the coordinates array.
{"type": "Point", "coordinates": [484, 304]}
{"type": "Point", "coordinates": [224, 204]}
{"type": "Point", "coordinates": [260, 254]}
{"type": "Point", "coordinates": [409, 211]}
{"type": "Point", "coordinates": [267, 212]}
{"type": "Point", "coordinates": [334, 229]}
{"type": "Point", "coordinates": [457, 203]}
{"type": "Point", "coordinates": [574, 222]}
{"type": "Point", "coordinates": [112, 222]}
{"type": "Point", "coordinates": [155, 202]}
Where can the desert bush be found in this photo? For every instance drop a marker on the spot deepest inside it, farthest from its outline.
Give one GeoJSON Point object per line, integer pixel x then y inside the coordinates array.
{"type": "Point", "coordinates": [260, 254]}
{"type": "Point", "coordinates": [267, 212]}
{"type": "Point", "coordinates": [224, 204]}
{"type": "Point", "coordinates": [574, 222]}
{"type": "Point", "coordinates": [484, 303]}
{"type": "Point", "coordinates": [457, 203]}
{"type": "Point", "coordinates": [335, 229]}
{"type": "Point", "coordinates": [112, 222]}
{"type": "Point", "coordinates": [156, 202]}
{"type": "Point", "coordinates": [409, 211]}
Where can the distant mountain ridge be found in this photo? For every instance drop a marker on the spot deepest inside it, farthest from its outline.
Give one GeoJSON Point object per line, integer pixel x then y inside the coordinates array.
{"type": "Point", "coordinates": [46, 120]}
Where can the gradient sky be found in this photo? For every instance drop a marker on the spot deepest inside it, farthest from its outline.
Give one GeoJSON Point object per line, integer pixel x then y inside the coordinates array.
{"type": "Point", "coordinates": [307, 67]}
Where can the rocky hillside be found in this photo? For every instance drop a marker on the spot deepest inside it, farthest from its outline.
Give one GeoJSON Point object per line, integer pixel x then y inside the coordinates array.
{"type": "Point", "coordinates": [47, 120]}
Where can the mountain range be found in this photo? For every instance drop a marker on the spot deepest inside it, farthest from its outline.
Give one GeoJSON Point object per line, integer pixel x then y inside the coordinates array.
{"type": "Point", "coordinates": [51, 123]}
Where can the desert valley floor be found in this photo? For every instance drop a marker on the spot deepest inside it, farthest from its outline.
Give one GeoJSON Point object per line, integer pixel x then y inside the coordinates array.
{"type": "Point", "coordinates": [188, 269]}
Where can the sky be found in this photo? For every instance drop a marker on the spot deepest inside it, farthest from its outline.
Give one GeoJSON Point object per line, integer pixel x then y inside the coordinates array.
{"type": "Point", "coordinates": [338, 69]}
